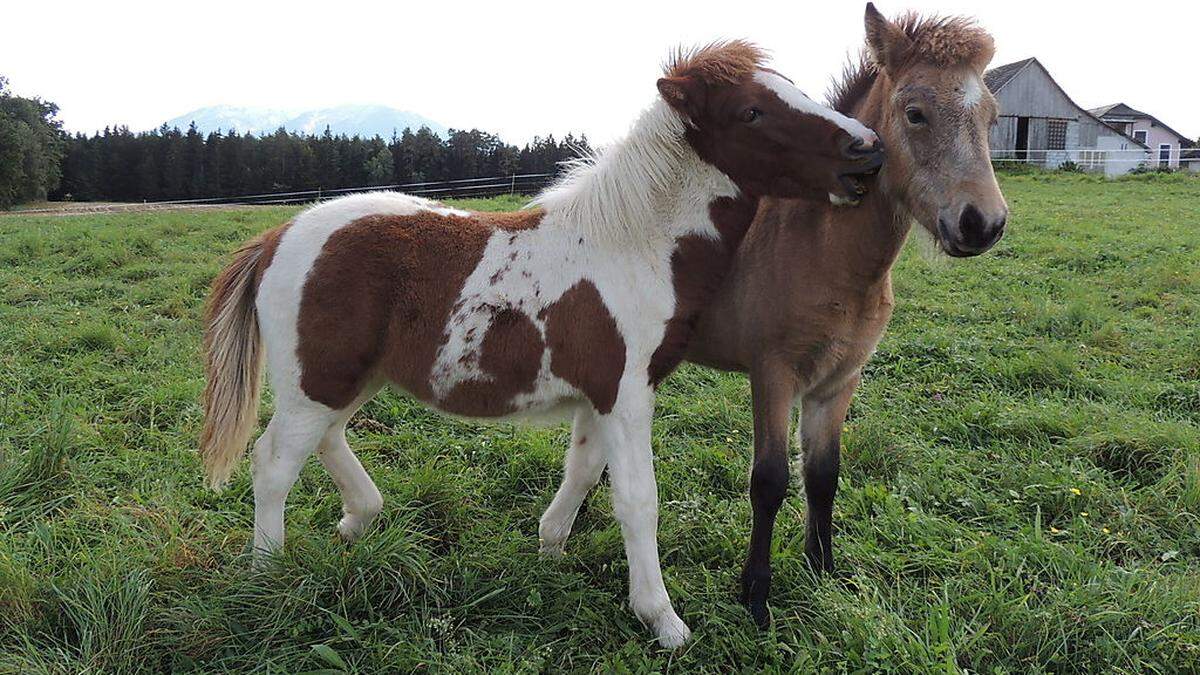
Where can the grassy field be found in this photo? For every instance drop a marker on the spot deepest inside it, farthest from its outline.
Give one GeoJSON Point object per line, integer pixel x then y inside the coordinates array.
{"type": "Point", "coordinates": [1020, 487]}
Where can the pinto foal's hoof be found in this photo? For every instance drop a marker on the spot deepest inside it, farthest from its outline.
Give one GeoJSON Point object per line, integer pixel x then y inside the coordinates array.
{"type": "Point", "coordinates": [671, 631]}
{"type": "Point", "coordinates": [350, 529]}
{"type": "Point", "coordinates": [551, 550]}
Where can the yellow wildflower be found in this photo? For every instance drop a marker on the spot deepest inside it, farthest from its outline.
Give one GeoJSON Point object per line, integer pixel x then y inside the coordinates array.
{"type": "Point", "coordinates": [1076, 491]}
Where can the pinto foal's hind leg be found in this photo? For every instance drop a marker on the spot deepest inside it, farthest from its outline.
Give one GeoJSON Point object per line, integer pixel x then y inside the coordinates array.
{"type": "Point", "coordinates": [361, 500]}
{"type": "Point", "coordinates": [292, 435]}
{"type": "Point", "coordinates": [583, 467]}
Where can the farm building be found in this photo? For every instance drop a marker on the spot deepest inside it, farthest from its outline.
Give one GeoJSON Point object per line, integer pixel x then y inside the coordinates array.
{"type": "Point", "coordinates": [1040, 124]}
{"type": "Point", "coordinates": [1168, 147]}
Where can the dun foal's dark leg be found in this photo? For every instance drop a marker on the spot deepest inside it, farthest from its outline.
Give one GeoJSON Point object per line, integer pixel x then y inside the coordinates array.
{"type": "Point", "coordinates": [821, 421]}
{"type": "Point", "coordinates": [773, 395]}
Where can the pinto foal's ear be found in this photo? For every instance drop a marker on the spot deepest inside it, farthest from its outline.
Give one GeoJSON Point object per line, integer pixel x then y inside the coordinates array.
{"type": "Point", "coordinates": [684, 94]}
{"type": "Point", "coordinates": [886, 42]}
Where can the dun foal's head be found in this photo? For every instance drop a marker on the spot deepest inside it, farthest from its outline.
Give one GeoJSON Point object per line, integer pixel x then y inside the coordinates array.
{"type": "Point", "coordinates": [934, 112]}
{"type": "Point", "coordinates": [760, 130]}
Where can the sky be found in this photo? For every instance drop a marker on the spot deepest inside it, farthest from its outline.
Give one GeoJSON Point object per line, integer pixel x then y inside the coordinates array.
{"type": "Point", "coordinates": [525, 68]}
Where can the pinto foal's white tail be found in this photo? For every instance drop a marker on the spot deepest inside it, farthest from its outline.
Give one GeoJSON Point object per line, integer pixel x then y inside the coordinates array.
{"type": "Point", "coordinates": [232, 364]}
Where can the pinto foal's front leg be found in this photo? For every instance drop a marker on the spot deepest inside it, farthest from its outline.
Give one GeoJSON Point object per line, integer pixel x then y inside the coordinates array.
{"type": "Point", "coordinates": [583, 467]}
{"type": "Point", "coordinates": [626, 440]}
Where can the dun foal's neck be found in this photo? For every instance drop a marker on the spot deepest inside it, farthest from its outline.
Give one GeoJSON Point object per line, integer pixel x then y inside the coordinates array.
{"type": "Point", "coordinates": [883, 208]}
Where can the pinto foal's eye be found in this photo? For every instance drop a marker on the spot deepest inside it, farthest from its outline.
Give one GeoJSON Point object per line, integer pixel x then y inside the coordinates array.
{"type": "Point", "coordinates": [750, 114]}
{"type": "Point", "coordinates": [915, 116]}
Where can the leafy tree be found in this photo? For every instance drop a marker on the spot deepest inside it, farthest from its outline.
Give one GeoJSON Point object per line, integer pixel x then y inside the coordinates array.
{"type": "Point", "coordinates": [31, 147]}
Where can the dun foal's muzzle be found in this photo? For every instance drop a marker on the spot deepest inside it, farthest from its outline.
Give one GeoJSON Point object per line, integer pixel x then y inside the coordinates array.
{"type": "Point", "coordinates": [975, 232]}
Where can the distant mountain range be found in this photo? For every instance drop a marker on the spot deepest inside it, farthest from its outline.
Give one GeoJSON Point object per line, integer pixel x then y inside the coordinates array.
{"type": "Point", "coordinates": [361, 120]}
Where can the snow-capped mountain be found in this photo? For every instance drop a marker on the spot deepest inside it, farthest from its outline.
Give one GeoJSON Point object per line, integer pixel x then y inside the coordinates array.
{"type": "Point", "coordinates": [361, 120]}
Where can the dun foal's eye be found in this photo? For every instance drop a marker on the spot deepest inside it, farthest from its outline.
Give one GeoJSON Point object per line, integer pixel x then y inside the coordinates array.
{"type": "Point", "coordinates": [751, 114]}
{"type": "Point", "coordinates": [915, 116]}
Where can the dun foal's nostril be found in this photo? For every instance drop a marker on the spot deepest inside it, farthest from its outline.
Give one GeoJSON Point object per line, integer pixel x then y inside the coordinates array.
{"type": "Point", "coordinates": [973, 227]}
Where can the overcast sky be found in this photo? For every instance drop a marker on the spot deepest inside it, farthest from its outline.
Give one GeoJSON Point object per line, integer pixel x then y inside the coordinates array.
{"type": "Point", "coordinates": [521, 69]}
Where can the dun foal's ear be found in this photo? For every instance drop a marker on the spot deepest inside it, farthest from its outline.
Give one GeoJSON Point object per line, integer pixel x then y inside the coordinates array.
{"type": "Point", "coordinates": [683, 94]}
{"type": "Point", "coordinates": [887, 43]}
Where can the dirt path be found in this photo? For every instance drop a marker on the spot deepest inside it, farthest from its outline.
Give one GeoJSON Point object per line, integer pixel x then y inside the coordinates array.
{"type": "Point", "coordinates": [90, 208]}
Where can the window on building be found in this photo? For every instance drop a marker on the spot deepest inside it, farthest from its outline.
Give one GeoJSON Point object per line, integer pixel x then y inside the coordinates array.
{"type": "Point", "coordinates": [1139, 135]}
{"type": "Point", "coordinates": [1056, 135]}
{"type": "Point", "coordinates": [1093, 159]}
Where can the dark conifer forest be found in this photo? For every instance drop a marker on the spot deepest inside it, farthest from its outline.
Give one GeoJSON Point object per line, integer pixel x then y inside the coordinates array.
{"type": "Point", "coordinates": [39, 161]}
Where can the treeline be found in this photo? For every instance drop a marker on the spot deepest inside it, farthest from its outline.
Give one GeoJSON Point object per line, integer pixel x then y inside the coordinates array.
{"type": "Point", "coordinates": [120, 165]}
{"type": "Point", "coordinates": [31, 147]}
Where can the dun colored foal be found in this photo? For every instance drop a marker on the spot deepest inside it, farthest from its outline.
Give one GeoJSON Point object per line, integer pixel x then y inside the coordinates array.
{"type": "Point", "coordinates": [810, 293]}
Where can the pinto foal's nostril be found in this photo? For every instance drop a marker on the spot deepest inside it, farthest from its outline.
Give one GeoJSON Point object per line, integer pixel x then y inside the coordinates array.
{"type": "Point", "coordinates": [858, 147]}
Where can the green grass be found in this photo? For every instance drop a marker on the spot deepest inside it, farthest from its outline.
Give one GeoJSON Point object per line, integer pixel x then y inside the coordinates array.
{"type": "Point", "coordinates": [1020, 487]}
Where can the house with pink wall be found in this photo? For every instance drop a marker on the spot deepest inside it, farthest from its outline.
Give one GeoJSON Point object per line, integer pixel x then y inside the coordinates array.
{"type": "Point", "coordinates": [1167, 146]}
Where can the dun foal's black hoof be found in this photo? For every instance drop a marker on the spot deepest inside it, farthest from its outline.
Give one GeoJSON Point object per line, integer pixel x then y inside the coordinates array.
{"type": "Point", "coordinates": [754, 598]}
{"type": "Point", "coordinates": [819, 563]}
{"type": "Point", "coordinates": [761, 613]}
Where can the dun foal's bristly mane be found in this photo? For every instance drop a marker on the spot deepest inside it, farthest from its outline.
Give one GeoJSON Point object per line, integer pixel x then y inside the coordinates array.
{"type": "Point", "coordinates": [939, 40]}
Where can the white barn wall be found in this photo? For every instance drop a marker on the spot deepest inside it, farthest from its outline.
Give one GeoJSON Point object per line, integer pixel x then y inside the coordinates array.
{"type": "Point", "coordinates": [1033, 94]}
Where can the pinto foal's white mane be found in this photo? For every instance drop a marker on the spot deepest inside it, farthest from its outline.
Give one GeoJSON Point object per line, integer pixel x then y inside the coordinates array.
{"type": "Point", "coordinates": [619, 193]}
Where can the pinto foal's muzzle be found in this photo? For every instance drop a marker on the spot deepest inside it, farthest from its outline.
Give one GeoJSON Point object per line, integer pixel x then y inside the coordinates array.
{"type": "Point", "coordinates": [865, 159]}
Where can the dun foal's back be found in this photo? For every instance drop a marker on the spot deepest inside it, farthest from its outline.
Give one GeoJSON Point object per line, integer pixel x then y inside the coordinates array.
{"type": "Point", "coordinates": [576, 307]}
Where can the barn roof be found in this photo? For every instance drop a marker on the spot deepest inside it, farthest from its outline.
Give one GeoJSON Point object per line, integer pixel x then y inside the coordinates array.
{"type": "Point", "coordinates": [997, 77]}
{"type": "Point", "coordinates": [1117, 109]}
{"type": "Point", "coordinates": [1123, 110]}
{"type": "Point", "coordinates": [1001, 75]}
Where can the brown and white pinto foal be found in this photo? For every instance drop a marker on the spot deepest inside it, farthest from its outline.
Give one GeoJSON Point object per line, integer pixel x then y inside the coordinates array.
{"type": "Point", "coordinates": [810, 291]}
{"type": "Point", "coordinates": [576, 307]}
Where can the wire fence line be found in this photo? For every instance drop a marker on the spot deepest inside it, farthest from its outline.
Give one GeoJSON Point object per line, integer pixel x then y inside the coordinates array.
{"type": "Point", "coordinates": [530, 183]}
{"type": "Point", "coordinates": [489, 186]}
